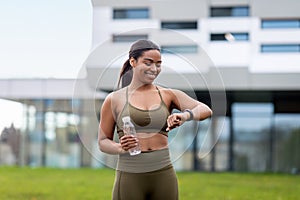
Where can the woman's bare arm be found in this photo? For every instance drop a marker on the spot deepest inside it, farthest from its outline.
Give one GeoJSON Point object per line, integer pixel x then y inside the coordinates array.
{"type": "Point", "coordinates": [106, 129]}
{"type": "Point", "coordinates": [198, 110]}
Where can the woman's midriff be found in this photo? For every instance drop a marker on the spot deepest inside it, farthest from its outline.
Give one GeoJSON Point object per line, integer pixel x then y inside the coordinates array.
{"type": "Point", "coordinates": [152, 141]}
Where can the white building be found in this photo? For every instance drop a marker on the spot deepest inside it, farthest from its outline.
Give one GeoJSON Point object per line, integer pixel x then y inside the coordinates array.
{"type": "Point", "coordinates": [239, 56]}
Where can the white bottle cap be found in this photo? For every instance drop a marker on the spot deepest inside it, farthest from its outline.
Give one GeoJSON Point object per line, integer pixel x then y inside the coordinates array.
{"type": "Point", "coordinates": [126, 119]}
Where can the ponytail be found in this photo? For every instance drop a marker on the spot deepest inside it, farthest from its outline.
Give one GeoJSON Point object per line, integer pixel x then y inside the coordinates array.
{"type": "Point", "coordinates": [125, 75]}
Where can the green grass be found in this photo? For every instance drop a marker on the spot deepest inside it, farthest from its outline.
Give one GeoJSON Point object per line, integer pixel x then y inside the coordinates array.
{"type": "Point", "coordinates": [63, 184]}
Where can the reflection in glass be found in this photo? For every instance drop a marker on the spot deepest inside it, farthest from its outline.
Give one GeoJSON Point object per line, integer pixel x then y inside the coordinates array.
{"type": "Point", "coordinates": [178, 49]}
{"type": "Point", "coordinates": [287, 143]}
{"type": "Point", "coordinates": [289, 23]}
{"type": "Point", "coordinates": [179, 25]}
{"type": "Point", "coordinates": [274, 48]}
{"type": "Point", "coordinates": [139, 13]}
{"type": "Point", "coordinates": [224, 37]}
{"type": "Point", "coordinates": [252, 124]}
{"type": "Point", "coordinates": [242, 11]}
{"type": "Point", "coordinates": [128, 38]}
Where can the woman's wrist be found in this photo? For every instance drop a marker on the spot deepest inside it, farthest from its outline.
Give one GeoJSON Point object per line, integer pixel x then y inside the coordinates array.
{"type": "Point", "coordinates": [190, 114]}
{"type": "Point", "coordinates": [120, 149]}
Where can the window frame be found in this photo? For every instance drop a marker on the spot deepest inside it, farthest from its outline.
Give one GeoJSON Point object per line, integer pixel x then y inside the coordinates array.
{"type": "Point", "coordinates": [236, 36]}
{"type": "Point", "coordinates": [280, 23]}
{"type": "Point", "coordinates": [230, 11]}
{"type": "Point", "coordinates": [275, 48]}
{"type": "Point", "coordinates": [128, 38]}
{"type": "Point", "coordinates": [179, 25]}
{"type": "Point", "coordinates": [180, 49]}
{"type": "Point", "coordinates": [130, 13]}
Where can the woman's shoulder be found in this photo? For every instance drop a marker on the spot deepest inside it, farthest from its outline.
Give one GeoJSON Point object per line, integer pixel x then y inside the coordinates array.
{"type": "Point", "coordinates": [115, 99]}
{"type": "Point", "coordinates": [116, 95]}
{"type": "Point", "coordinates": [167, 91]}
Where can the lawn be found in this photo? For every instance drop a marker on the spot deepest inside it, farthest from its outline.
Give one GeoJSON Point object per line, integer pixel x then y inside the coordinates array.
{"type": "Point", "coordinates": [63, 184]}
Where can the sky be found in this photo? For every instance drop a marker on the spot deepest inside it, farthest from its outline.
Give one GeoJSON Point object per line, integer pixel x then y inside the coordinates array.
{"type": "Point", "coordinates": [44, 38]}
{"type": "Point", "coordinates": [41, 39]}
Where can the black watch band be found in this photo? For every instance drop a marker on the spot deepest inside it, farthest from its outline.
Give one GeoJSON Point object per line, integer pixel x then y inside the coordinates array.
{"type": "Point", "coordinates": [191, 114]}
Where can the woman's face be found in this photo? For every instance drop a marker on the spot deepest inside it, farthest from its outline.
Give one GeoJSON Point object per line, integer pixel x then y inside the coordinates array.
{"type": "Point", "coordinates": [147, 67]}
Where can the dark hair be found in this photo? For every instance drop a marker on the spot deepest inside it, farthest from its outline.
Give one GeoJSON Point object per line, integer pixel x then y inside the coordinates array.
{"type": "Point", "coordinates": [137, 49]}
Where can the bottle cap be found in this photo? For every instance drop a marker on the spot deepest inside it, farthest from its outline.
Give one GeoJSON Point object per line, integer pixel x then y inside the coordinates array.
{"type": "Point", "coordinates": [126, 119]}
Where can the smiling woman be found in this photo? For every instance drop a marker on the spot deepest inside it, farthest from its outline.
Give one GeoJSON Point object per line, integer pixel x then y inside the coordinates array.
{"type": "Point", "coordinates": [149, 106]}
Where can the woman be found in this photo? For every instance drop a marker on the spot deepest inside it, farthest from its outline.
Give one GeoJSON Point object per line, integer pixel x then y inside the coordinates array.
{"type": "Point", "coordinates": [149, 175]}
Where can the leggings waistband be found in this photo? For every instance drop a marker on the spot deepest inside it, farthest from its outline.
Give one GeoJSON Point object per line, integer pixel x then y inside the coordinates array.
{"type": "Point", "coordinates": [144, 162]}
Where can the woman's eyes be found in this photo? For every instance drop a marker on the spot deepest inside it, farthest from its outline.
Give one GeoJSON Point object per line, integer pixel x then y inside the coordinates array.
{"type": "Point", "coordinates": [150, 63]}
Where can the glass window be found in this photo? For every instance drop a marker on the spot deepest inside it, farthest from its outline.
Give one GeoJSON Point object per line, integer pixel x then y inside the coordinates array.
{"type": "Point", "coordinates": [274, 48]}
{"type": "Point", "coordinates": [212, 144]}
{"type": "Point", "coordinates": [179, 49]}
{"type": "Point", "coordinates": [128, 38]}
{"type": "Point", "coordinates": [287, 143]}
{"type": "Point", "coordinates": [240, 109]}
{"type": "Point", "coordinates": [138, 13]}
{"type": "Point", "coordinates": [205, 143]}
{"type": "Point", "coordinates": [252, 124]}
{"type": "Point", "coordinates": [241, 36]}
{"type": "Point", "coordinates": [280, 23]}
{"type": "Point", "coordinates": [229, 37]}
{"type": "Point", "coordinates": [11, 126]}
{"type": "Point", "coordinates": [242, 11]}
{"type": "Point", "coordinates": [62, 147]}
{"type": "Point", "coordinates": [179, 25]}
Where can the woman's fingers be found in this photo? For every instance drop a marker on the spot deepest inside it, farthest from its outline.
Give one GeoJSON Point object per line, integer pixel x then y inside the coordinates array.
{"type": "Point", "coordinates": [174, 121]}
{"type": "Point", "coordinates": [128, 142]}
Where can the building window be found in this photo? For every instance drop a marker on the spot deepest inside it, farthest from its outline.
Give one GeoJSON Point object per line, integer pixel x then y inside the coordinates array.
{"type": "Point", "coordinates": [134, 13]}
{"type": "Point", "coordinates": [274, 48]}
{"type": "Point", "coordinates": [128, 38]}
{"type": "Point", "coordinates": [229, 37]}
{"type": "Point", "coordinates": [178, 49]}
{"type": "Point", "coordinates": [179, 25]}
{"type": "Point", "coordinates": [242, 11]}
{"type": "Point", "coordinates": [252, 126]}
{"type": "Point", "coordinates": [281, 23]}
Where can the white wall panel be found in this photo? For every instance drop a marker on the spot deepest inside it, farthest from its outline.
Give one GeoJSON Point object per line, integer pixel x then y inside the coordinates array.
{"type": "Point", "coordinates": [279, 36]}
{"type": "Point", "coordinates": [276, 63]}
{"type": "Point", "coordinates": [225, 54]}
{"type": "Point", "coordinates": [227, 24]}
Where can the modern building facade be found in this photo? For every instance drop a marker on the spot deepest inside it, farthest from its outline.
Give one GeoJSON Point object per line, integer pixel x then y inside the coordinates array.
{"type": "Point", "coordinates": [55, 122]}
{"type": "Point", "coordinates": [241, 57]}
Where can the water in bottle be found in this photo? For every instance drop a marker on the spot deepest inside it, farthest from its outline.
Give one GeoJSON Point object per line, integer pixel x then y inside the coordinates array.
{"type": "Point", "coordinates": [129, 129]}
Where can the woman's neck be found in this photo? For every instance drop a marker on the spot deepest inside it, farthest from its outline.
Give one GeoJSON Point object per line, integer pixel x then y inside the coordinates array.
{"type": "Point", "coordinates": [140, 86]}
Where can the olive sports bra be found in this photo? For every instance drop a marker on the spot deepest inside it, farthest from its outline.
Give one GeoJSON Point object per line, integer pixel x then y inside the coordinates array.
{"type": "Point", "coordinates": [145, 121]}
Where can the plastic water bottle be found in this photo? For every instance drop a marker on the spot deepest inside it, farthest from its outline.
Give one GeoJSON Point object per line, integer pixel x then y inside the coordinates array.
{"type": "Point", "coordinates": [129, 129]}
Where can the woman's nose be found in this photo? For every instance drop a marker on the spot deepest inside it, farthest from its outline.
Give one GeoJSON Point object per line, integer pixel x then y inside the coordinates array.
{"type": "Point", "coordinates": [153, 67]}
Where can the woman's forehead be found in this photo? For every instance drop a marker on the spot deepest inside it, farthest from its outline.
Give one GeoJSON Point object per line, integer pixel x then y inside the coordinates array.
{"type": "Point", "coordinates": [152, 54]}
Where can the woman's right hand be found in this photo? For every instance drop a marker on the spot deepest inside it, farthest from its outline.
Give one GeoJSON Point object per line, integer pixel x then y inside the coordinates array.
{"type": "Point", "coordinates": [128, 141]}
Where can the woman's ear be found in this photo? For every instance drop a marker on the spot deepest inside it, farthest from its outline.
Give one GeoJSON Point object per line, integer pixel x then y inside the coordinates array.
{"type": "Point", "coordinates": [132, 62]}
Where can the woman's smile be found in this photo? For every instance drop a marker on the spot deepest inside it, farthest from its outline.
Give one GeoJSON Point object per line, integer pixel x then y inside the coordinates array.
{"type": "Point", "coordinates": [151, 75]}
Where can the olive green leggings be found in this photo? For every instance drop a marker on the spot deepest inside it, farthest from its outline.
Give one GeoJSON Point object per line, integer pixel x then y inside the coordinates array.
{"type": "Point", "coordinates": [156, 185]}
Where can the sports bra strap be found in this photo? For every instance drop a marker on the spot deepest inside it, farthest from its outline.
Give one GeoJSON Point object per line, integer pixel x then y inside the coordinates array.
{"type": "Point", "coordinates": [127, 94]}
{"type": "Point", "coordinates": [159, 94]}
